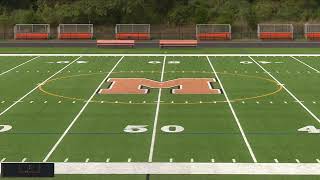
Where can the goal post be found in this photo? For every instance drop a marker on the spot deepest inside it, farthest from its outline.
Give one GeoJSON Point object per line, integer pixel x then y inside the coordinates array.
{"type": "Point", "coordinates": [31, 31]}
{"type": "Point", "coordinates": [275, 31]}
{"type": "Point", "coordinates": [75, 31]}
{"type": "Point", "coordinates": [213, 31]}
{"type": "Point", "coordinates": [312, 31]}
{"type": "Point", "coordinates": [132, 31]}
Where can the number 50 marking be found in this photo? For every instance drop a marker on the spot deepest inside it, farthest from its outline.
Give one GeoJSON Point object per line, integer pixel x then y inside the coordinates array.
{"type": "Point", "coordinates": [143, 128]}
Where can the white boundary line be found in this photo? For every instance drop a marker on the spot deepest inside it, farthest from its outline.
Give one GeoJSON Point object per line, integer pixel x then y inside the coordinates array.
{"type": "Point", "coordinates": [80, 112]}
{"type": "Point", "coordinates": [289, 92]}
{"type": "Point", "coordinates": [19, 100]}
{"type": "Point", "coordinates": [188, 168]}
{"type": "Point", "coordinates": [155, 122]}
{"type": "Point", "coordinates": [234, 114]}
{"type": "Point", "coordinates": [163, 54]}
{"type": "Point", "coordinates": [18, 65]}
{"type": "Point", "coordinates": [316, 70]}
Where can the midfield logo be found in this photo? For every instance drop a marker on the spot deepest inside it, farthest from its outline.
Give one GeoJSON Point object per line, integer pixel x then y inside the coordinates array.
{"type": "Point", "coordinates": [177, 86]}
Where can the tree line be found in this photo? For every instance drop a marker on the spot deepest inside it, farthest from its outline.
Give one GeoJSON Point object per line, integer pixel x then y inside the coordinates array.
{"type": "Point", "coordinates": [171, 12]}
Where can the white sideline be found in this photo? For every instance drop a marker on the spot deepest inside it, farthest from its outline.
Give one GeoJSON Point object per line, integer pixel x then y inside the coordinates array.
{"type": "Point", "coordinates": [18, 65]}
{"type": "Point", "coordinates": [289, 92]}
{"type": "Point", "coordinates": [159, 54]}
{"type": "Point", "coordinates": [155, 122]}
{"type": "Point", "coordinates": [19, 100]}
{"type": "Point", "coordinates": [80, 112]}
{"type": "Point", "coordinates": [188, 168]}
{"type": "Point", "coordinates": [234, 113]}
{"type": "Point", "coordinates": [316, 70]}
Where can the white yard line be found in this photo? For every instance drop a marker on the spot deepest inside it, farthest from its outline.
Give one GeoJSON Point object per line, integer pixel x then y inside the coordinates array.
{"type": "Point", "coordinates": [289, 92]}
{"type": "Point", "coordinates": [19, 65]}
{"type": "Point", "coordinates": [233, 113]}
{"type": "Point", "coordinates": [81, 111]}
{"type": "Point", "coordinates": [316, 70]}
{"type": "Point", "coordinates": [20, 100]}
{"type": "Point", "coordinates": [173, 55]}
{"type": "Point", "coordinates": [155, 122]}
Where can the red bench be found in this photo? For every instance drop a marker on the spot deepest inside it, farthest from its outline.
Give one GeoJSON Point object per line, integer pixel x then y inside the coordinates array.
{"type": "Point", "coordinates": [313, 36]}
{"type": "Point", "coordinates": [75, 36]}
{"type": "Point", "coordinates": [276, 35]}
{"type": "Point", "coordinates": [32, 36]}
{"type": "Point", "coordinates": [134, 36]}
{"type": "Point", "coordinates": [178, 43]}
{"type": "Point", "coordinates": [214, 36]}
{"type": "Point", "coordinates": [115, 43]}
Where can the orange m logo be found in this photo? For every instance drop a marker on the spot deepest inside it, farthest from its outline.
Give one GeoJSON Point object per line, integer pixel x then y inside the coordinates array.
{"type": "Point", "coordinates": [179, 86]}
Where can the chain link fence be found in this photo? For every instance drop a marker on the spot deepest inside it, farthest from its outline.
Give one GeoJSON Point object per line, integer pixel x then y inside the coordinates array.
{"type": "Point", "coordinates": [161, 32]}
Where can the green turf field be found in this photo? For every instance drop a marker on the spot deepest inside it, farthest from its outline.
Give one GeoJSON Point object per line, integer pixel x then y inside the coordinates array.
{"type": "Point", "coordinates": [51, 110]}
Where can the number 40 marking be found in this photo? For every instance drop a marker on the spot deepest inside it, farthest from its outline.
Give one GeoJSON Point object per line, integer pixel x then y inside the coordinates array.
{"type": "Point", "coordinates": [310, 129]}
{"type": "Point", "coordinates": [143, 128]}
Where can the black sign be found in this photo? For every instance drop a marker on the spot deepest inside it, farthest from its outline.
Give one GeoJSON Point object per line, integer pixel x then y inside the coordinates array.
{"type": "Point", "coordinates": [27, 169]}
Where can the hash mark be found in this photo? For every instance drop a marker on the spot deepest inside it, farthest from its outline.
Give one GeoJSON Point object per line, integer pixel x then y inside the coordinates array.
{"type": "Point", "coordinates": [170, 160]}
{"type": "Point", "coordinates": [108, 160]}
{"type": "Point", "coordinates": [318, 161]}
{"type": "Point", "coordinates": [212, 160]}
{"type": "Point", "coordinates": [87, 160]}
{"type": "Point", "coordinates": [73, 102]}
{"type": "Point", "coordinates": [258, 102]}
{"type": "Point", "coordinates": [192, 160]}
{"type": "Point", "coordinates": [276, 160]}
{"type": "Point", "coordinates": [3, 102]}
{"type": "Point", "coordinates": [45, 102]}
{"type": "Point", "coordinates": [3, 159]}
{"type": "Point", "coordinates": [24, 160]}
{"type": "Point", "coordinates": [297, 160]}
{"type": "Point", "coordinates": [314, 102]}
{"type": "Point", "coordinates": [66, 160]}
{"type": "Point", "coordinates": [129, 159]}
{"type": "Point", "coordinates": [31, 102]}
{"type": "Point", "coordinates": [234, 160]}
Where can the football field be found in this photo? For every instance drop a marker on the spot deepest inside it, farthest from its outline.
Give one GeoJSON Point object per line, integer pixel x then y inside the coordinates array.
{"type": "Point", "coordinates": [174, 108]}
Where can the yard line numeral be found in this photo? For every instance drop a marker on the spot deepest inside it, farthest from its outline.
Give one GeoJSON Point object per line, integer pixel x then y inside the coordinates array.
{"type": "Point", "coordinates": [310, 129]}
{"type": "Point", "coordinates": [4, 128]}
{"type": "Point", "coordinates": [143, 128]}
{"type": "Point", "coordinates": [172, 129]}
{"type": "Point", "coordinates": [135, 129]}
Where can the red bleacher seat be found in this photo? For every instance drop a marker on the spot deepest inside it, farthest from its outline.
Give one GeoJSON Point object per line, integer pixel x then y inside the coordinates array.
{"type": "Point", "coordinates": [276, 35]}
{"type": "Point", "coordinates": [313, 36]}
{"type": "Point", "coordinates": [75, 36]}
{"type": "Point", "coordinates": [214, 36]}
{"type": "Point", "coordinates": [133, 36]}
{"type": "Point", "coordinates": [32, 36]}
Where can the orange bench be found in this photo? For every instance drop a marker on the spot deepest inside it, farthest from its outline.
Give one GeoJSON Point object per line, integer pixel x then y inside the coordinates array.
{"type": "Point", "coordinates": [75, 36]}
{"type": "Point", "coordinates": [32, 36]}
{"type": "Point", "coordinates": [178, 43]}
{"type": "Point", "coordinates": [276, 35]}
{"type": "Point", "coordinates": [214, 36]}
{"type": "Point", "coordinates": [115, 43]}
{"type": "Point", "coordinates": [135, 36]}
